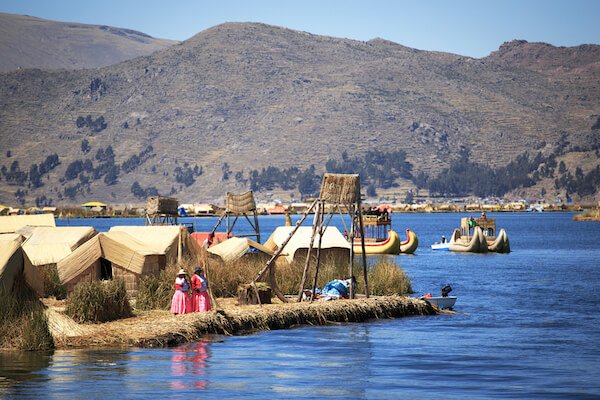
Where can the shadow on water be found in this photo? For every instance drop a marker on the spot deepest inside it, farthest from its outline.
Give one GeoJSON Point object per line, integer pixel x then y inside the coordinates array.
{"type": "Point", "coordinates": [20, 366]}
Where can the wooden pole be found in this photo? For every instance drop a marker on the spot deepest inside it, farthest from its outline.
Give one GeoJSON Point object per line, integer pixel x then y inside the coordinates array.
{"type": "Point", "coordinates": [321, 231]}
{"type": "Point", "coordinates": [195, 249]}
{"type": "Point", "coordinates": [217, 224]}
{"type": "Point", "coordinates": [310, 247]}
{"type": "Point", "coordinates": [256, 227]}
{"type": "Point", "coordinates": [351, 235]}
{"type": "Point", "coordinates": [362, 245]}
{"type": "Point", "coordinates": [285, 242]}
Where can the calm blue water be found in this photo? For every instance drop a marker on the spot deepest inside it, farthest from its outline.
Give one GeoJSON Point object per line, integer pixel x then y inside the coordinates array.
{"type": "Point", "coordinates": [528, 327]}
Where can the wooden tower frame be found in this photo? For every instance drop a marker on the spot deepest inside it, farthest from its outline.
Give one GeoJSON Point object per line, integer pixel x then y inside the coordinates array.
{"type": "Point", "coordinates": [237, 206]}
{"type": "Point", "coordinates": [337, 191]}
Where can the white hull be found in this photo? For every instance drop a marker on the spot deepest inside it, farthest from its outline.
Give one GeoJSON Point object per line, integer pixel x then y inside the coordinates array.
{"type": "Point", "coordinates": [441, 302]}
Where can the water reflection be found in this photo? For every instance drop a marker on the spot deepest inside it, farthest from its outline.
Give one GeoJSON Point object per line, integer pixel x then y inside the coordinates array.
{"type": "Point", "coordinates": [189, 361]}
{"type": "Point", "coordinates": [17, 366]}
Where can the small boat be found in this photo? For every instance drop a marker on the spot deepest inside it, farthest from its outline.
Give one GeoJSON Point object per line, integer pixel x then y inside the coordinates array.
{"type": "Point", "coordinates": [445, 246]}
{"type": "Point", "coordinates": [441, 301]}
{"type": "Point", "coordinates": [381, 239]}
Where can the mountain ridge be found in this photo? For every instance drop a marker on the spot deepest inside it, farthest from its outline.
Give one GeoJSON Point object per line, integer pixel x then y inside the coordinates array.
{"type": "Point", "coordinates": [31, 42]}
{"type": "Point", "coordinates": [240, 97]}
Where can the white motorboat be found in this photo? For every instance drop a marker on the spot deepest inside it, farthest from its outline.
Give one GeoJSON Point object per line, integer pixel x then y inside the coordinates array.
{"type": "Point", "coordinates": [441, 246]}
{"type": "Point", "coordinates": [441, 302]}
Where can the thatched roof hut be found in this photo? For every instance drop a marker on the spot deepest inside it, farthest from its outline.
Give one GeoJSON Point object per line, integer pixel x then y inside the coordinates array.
{"type": "Point", "coordinates": [332, 244]}
{"type": "Point", "coordinates": [12, 223]}
{"type": "Point", "coordinates": [45, 247]}
{"type": "Point", "coordinates": [82, 265]}
{"type": "Point", "coordinates": [235, 247]}
{"type": "Point", "coordinates": [137, 251]}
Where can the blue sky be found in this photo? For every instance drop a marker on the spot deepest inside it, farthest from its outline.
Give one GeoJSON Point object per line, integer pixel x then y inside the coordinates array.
{"type": "Point", "coordinates": [469, 27]}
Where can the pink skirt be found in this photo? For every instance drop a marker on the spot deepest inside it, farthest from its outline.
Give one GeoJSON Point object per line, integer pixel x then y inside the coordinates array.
{"type": "Point", "coordinates": [181, 303]}
{"type": "Point", "coordinates": [201, 301]}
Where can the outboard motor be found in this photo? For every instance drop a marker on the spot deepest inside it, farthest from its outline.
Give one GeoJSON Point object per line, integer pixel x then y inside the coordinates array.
{"type": "Point", "coordinates": [446, 290]}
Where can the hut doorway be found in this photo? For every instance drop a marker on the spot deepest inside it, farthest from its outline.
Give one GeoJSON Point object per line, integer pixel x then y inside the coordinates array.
{"type": "Point", "coordinates": [106, 271]}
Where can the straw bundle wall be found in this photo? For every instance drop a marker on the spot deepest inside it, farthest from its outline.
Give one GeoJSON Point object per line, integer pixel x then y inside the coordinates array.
{"type": "Point", "coordinates": [11, 261]}
{"type": "Point", "coordinates": [340, 188]}
{"type": "Point", "coordinates": [162, 205]}
{"type": "Point", "coordinates": [122, 249]}
{"type": "Point", "coordinates": [241, 203]}
{"type": "Point", "coordinates": [153, 266]}
{"type": "Point", "coordinates": [81, 265]}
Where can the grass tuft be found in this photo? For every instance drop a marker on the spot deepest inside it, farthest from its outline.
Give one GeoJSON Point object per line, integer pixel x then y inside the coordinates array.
{"type": "Point", "coordinates": [99, 301]}
{"type": "Point", "coordinates": [23, 322]}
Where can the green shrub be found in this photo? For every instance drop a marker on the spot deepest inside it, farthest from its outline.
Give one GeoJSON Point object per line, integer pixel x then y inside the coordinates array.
{"type": "Point", "coordinates": [99, 301]}
{"type": "Point", "coordinates": [23, 322]}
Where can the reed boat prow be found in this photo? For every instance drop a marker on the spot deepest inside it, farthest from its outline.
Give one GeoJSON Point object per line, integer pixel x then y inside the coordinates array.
{"type": "Point", "coordinates": [410, 244]}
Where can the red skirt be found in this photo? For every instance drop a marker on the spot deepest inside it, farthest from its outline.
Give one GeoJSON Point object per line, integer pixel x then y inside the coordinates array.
{"type": "Point", "coordinates": [201, 301]}
{"type": "Point", "coordinates": [181, 303]}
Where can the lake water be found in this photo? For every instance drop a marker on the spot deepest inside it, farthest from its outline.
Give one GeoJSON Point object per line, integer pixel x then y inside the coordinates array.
{"type": "Point", "coordinates": [528, 327]}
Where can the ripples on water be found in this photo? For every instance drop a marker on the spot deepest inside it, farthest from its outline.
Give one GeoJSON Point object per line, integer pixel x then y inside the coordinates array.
{"type": "Point", "coordinates": [528, 327]}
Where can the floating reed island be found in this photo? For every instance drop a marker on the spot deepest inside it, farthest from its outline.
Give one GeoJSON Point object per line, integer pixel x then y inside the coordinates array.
{"type": "Point", "coordinates": [115, 288]}
{"type": "Point", "coordinates": [159, 328]}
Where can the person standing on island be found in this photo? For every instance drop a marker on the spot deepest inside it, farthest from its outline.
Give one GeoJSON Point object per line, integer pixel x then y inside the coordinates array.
{"type": "Point", "coordinates": [200, 297]}
{"type": "Point", "coordinates": [181, 302]}
{"type": "Point", "coordinates": [209, 240]}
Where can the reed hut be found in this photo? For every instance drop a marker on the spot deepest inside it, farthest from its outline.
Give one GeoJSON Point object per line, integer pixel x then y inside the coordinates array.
{"type": "Point", "coordinates": [81, 265]}
{"type": "Point", "coordinates": [11, 259]}
{"type": "Point", "coordinates": [132, 252]}
{"type": "Point", "coordinates": [333, 243]}
{"type": "Point", "coordinates": [45, 247]}
{"type": "Point", "coordinates": [235, 248]}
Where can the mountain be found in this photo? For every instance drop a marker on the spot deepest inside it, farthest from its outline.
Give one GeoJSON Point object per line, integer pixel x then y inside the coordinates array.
{"type": "Point", "coordinates": [29, 42]}
{"type": "Point", "coordinates": [579, 61]}
{"type": "Point", "coordinates": [246, 105]}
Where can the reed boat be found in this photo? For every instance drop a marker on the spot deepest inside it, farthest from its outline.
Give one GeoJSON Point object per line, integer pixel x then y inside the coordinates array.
{"type": "Point", "coordinates": [477, 235]}
{"type": "Point", "coordinates": [381, 239]}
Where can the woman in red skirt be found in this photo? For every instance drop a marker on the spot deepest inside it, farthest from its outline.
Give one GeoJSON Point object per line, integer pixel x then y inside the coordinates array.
{"type": "Point", "coordinates": [181, 303]}
{"type": "Point", "coordinates": [200, 297]}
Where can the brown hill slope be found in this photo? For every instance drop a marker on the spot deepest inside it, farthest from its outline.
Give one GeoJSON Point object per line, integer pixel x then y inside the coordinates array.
{"type": "Point", "coordinates": [582, 61]}
{"type": "Point", "coordinates": [239, 96]}
{"type": "Point", "coordinates": [29, 42]}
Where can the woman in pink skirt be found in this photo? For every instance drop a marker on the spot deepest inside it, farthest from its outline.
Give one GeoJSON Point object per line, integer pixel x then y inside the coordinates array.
{"type": "Point", "coordinates": [181, 303]}
{"type": "Point", "coordinates": [200, 297]}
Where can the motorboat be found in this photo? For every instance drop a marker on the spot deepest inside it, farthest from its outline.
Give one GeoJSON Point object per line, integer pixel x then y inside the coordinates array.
{"type": "Point", "coordinates": [441, 301]}
{"type": "Point", "coordinates": [444, 301]}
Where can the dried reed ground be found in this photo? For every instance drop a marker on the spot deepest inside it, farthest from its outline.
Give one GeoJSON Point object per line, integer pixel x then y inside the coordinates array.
{"type": "Point", "coordinates": [155, 326]}
{"type": "Point", "coordinates": [159, 328]}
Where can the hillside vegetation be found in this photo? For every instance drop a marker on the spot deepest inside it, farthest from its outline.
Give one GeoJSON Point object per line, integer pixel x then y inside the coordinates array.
{"type": "Point", "coordinates": [245, 105]}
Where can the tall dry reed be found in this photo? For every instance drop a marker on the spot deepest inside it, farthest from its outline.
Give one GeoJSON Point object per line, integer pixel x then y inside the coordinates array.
{"type": "Point", "coordinates": [23, 322]}
{"type": "Point", "coordinates": [99, 301]}
{"type": "Point", "coordinates": [155, 292]}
